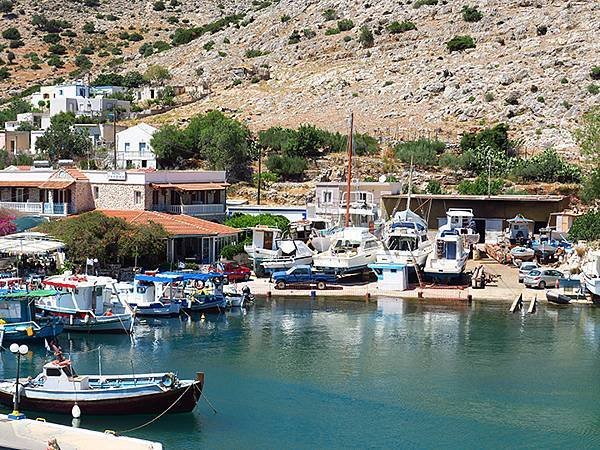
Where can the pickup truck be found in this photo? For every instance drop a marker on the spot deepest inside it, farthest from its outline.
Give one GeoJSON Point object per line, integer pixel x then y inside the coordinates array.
{"type": "Point", "coordinates": [302, 275]}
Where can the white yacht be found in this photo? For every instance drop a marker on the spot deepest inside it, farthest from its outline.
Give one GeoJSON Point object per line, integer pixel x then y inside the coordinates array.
{"type": "Point", "coordinates": [591, 273]}
{"type": "Point", "coordinates": [449, 256]}
{"type": "Point", "coordinates": [86, 303]}
{"type": "Point", "coordinates": [146, 298]}
{"type": "Point", "coordinates": [405, 240]}
{"type": "Point", "coordinates": [461, 219]}
{"type": "Point", "coordinates": [270, 252]}
{"type": "Point", "coordinates": [352, 250]}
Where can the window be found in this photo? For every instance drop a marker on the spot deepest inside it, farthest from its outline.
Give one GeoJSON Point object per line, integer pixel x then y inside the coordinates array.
{"type": "Point", "coordinates": [327, 196]}
{"type": "Point", "coordinates": [362, 196]}
{"type": "Point", "coordinates": [20, 195]}
{"type": "Point", "coordinates": [142, 147]}
{"type": "Point", "coordinates": [144, 163]}
{"type": "Point", "coordinates": [60, 92]}
{"type": "Point", "coordinates": [50, 372]}
{"type": "Point", "coordinates": [127, 146]}
{"type": "Point", "coordinates": [137, 197]}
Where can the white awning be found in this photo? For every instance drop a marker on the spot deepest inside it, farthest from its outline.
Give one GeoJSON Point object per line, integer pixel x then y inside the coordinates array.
{"type": "Point", "coordinates": [29, 244]}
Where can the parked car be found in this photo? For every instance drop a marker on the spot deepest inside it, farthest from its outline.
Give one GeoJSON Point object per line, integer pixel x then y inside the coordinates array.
{"type": "Point", "coordinates": [233, 271]}
{"type": "Point", "coordinates": [541, 278]}
{"type": "Point", "coordinates": [525, 268]}
{"type": "Point", "coordinates": [302, 275]}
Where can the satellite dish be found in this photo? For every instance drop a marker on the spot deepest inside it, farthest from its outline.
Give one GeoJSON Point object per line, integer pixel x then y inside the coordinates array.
{"type": "Point", "coordinates": [382, 179]}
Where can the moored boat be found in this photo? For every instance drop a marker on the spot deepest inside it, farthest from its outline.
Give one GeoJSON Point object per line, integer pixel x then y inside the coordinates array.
{"type": "Point", "coordinates": [405, 241]}
{"type": "Point", "coordinates": [145, 299]}
{"type": "Point", "coordinates": [462, 220]}
{"type": "Point", "coordinates": [449, 257]}
{"type": "Point", "coordinates": [58, 389]}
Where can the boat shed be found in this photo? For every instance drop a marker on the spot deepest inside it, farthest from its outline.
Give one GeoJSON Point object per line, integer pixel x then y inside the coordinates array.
{"type": "Point", "coordinates": [190, 238]}
{"type": "Point", "coordinates": [491, 213]}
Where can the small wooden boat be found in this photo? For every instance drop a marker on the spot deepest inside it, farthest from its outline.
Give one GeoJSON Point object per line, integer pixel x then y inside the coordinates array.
{"type": "Point", "coordinates": [58, 388]}
{"type": "Point", "coordinates": [522, 253]}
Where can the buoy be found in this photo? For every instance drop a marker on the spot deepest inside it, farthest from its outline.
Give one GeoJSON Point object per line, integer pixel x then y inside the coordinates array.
{"type": "Point", "coordinates": [202, 316]}
{"type": "Point", "coordinates": [75, 411]}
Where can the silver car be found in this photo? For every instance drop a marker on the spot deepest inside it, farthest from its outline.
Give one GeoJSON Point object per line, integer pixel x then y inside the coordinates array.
{"type": "Point", "coordinates": [541, 278]}
{"type": "Point", "coordinates": [525, 268]}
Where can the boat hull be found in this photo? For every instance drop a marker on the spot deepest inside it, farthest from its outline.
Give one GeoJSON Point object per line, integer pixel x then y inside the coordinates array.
{"type": "Point", "coordinates": [167, 310]}
{"type": "Point", "coordinates": [21, 337]}
{"type": "Point", "coordinates": [557, 297]}
{"type": "Point", "coordinates": [183, 399]}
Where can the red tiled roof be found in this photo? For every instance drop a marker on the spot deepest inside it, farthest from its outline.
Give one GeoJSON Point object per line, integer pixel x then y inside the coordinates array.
{"type": "Point", "coordinates": [75, 173]}
{"type": "Point", "coordinates": [190, 186]}
{"type": "Point", "coordinates": [49, 184]}
{"type": "Point", "coordinates": [174, 224]}
{"type": "Point", "coordinates": [24, 168]}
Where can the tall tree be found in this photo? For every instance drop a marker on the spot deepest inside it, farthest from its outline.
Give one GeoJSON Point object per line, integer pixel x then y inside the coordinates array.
{"type": "Point", "coordinates": [62, 141]}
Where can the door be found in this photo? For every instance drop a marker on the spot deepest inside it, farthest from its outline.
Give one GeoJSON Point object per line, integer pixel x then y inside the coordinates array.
{"type": "Point", "coordinates": [480, 227]}
{"type": "Point", "coordinates": [268, 240]}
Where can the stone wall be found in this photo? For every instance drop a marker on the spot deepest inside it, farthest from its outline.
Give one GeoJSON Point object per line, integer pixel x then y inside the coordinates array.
{"type": "Point", "coordinates": [82, 197]}
{"type": "Point", "coordinates": [120, 196]}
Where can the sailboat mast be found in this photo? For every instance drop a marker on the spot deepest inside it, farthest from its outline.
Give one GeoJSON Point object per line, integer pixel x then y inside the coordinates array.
{"type": "Point", "coordinates": [409, 184]}
{"type": "Point", "coordinates": [349, 175]}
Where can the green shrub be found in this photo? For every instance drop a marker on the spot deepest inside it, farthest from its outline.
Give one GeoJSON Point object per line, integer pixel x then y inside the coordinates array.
{"type": "Point", "coordinates": [590, 188]}
{"type": "Point", "coordinates": [4, 73]}
{"type": "Point", "coordinates": [422, 152]}
{"type": "Point", "coordinates": [6, 6]}
{"type": "Point", "coordinates": [332, 31]}
{"type": "Point", "coordinates": [495, 138]}
{"type": "Point", "coordinates": [401, 27]}
{"type": "Point", "coordinates": [294, 38]}
{"type": "Point", "coordinates": [595, 73]}
{"type": "Point", "coordinates": [460, 43]}
{"type": "Point", "coordinates": [146, 50]}
{"type": "Point", "coordinates": [488, 97]}
{"type": "Point", "coordinates": [69, 34]}
{"type": "Point", "coordinates": [16, 43]}
{"type": "Point", "coordinates": [471, 14]}
{"type": "Point", "coordinates": [366, 38]}
{"type": "Point", "coordinates": [83, 62]}
{"type": "Point", "coordinates": [135, 37]}
{"type": "Point", "coordinates": [308, 33]}
{"type": "Point", "coordinates": [420, 3]}
{"type": "Point", "coordinates": [547, 166]}
{"type": "Point", "coordinates": [434, 187]}
{"type": "Point", "coordinates": [586, 227]}
{"type": "Point", "coordinates": [159, 5]}
{"type": "Point", "coordinates": [593, 89]}
{"type": "Point", "coordinates": [51, 38]}
{"type": "Point", "coordinates": [11, 33]}
{"type": "Point", "coordinates": [345, 25]}
{"type": "Point", "coordinates": [480, 186]}
{"type": "Point", "coordinates": [266, 178]}
{"type": "Point", "coordinates": [254, 53]}
{"type": "Point", "coordinates": [229, 251]}
{"type": "Point", "coordinates": [242, 221]}
{"type": "Point", "coordinates": [55, 61]}
{"type": "Point", "coordinates": [330, 14]}
{"type": "Point", "coordinates": [89, 28]}
{"type": "Point", "coordinates": [287, 167]}
{"type": "Point", "coordinates": [208, 46]}
{"type": "Point", "coordinates": [57, 49]}
{"type": "Point", "coordinates": [285, 18]}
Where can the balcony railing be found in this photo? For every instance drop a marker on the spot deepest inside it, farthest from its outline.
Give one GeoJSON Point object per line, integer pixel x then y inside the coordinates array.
{"type": "Point", "coordinates": [192, 210]}
{"type": "Point", "coordinates": [135, 155]}
{"type": "Point", "coordinates": [38, 208]}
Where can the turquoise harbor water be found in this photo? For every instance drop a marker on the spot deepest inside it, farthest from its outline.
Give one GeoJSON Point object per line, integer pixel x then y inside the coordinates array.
{"type": "Point", "coordinates": [296, 374]}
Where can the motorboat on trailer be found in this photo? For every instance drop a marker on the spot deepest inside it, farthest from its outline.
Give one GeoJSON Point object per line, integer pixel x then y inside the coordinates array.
{"type": "Point", "coordinates": [352, 250]}
{"type": "Point", "coordinates": [568, 289]}
{"type": "Point", "coordinates": [86, 303]}
{"type": "Point", "coordinates": [145, 298]}
{"type": "Point", "coordinates": [405, 240]}
{"type": "Point", "coordinates": [449, 257]}
{"type": "Point", "coordinates": [461, 220]}
{"type": "Point", "coordinates": [591, 274]}
{"type": "Point", "coordinates": [519, 230]}
{"type": "Point", "coordinates": [18, 322]}
{"type": "Point", "coordinates": [59, 388]}
{"type": "Point", "coordinates": [270, 252]}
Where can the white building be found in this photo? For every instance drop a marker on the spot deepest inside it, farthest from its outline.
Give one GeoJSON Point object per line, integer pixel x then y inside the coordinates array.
{"type": "Point", "coordinates": [134, 149]}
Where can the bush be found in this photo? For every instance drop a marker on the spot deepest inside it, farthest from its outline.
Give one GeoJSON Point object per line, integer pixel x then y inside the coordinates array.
{"type": "Point", "coordinates": [11, 34]}
{"type": "Point", "coordinates": [548, 167]}
{"type": "Point", "coordinates": [366, 38]}
{"type": "Point", "coordinates": [595, 73]}
{"type": "Point", "coordinates": [330, 14]}
{"type": "Point", "coordinates": [420, 3]}
{"type": "Point", "coordinates": [208, 46]}
{"type": "Point", "coordinates": [135, 37]}
{"type": "Point", "coordinates": [434, 187]}
{"type": "Point", "coordinates": [253, 53]}
{"type": "Point", "coordinates": [285, 18]}
{"type": "Point", "coordinates": [16, 44]}
{"type": "Point", "coordinates": [345, 25]}
{"type": "Point", "coordinates": [422, 152]}
{"type": "Point", "coordinates": [287, 167]}
{"type": "Point", "coordinates": [6, 6]}
{"type": "Point", "coordinates": [83, 62]}
{"type": "Point", "coordinates": [586, 227]}
{"type": "Point", "coordinates": [460, 43]}
{"type": "Point", "coordinates": [51, 38]}
{"type": "Point", "coordinates": [158, 5]}
{"type": "Point", "coordinates": [495, 138]}
{"type": "Point", "coordinates": [229, 251]}
{"type": "Point", "coordinates": [89, 28]}
{"type": "Point", "coordinates": [471, 14]}
{"type": "Point", "coordinates": [242, 221]}
{"type": "Point", "coordinates": [480, 186]}
{"type": "Point", "coordinates": [55, 61]}
{"type": "Point", "coordinates": [4, 73]}
{"type": "Point", "coordinates": [294, 38]}
{"type": "Point", "coordinates": [593, 89]}
{"type": "Point", "coordinates": [266, 178]}
{"type": "Point", "coordinates": [57, 49]}
{"type": "Point", "coordinates": [401, 27]}
{"type": "Point", "coordinates": [332, 31]}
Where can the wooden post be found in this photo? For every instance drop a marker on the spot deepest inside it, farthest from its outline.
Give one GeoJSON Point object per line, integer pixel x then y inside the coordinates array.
{"type": "Point", "coordinates": [349, 176]}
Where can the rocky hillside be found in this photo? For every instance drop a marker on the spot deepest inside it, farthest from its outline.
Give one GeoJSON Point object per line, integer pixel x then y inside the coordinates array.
{"type": "Point", "coordinates": [291, 62]}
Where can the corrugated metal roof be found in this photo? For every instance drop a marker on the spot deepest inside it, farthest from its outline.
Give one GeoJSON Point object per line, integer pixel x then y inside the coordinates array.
{"type": "Point", "coordinates": [50, 184]}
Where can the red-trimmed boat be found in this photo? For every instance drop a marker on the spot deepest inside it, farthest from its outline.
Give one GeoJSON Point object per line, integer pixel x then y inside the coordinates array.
{"type": "Point", "coordinates": [58, 388]}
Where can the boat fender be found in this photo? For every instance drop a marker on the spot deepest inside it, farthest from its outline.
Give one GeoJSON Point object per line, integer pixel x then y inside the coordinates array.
{"type": "Point", "coordinates": [87, 319]}
{"type": "Point", "coordinates": [30, 331]}
{"type": "Point", "coordinates": [76, 411]}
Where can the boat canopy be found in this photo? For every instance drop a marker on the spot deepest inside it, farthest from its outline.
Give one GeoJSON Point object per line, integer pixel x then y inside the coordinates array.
{"type": "Point", "coordinates": [519, 218]}
{"type": "Point", "coordinates": [20, 295]}
{"type": "Point", "coordinates": [171, 277]}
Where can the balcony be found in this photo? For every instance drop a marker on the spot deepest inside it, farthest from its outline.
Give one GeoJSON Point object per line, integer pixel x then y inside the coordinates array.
{"type": "Point", "coordinates": [38, 208]}
{"type": "Point", "coordinates": [135, 155]}
{"type": "Point", "coordinates": [192, 210]}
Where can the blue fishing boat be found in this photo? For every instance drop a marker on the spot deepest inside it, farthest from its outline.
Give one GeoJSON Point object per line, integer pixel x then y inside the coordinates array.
{"type": "Point", "coordinates": [18, 322]}
{"type": "Point", "coordinates": [197, 291]}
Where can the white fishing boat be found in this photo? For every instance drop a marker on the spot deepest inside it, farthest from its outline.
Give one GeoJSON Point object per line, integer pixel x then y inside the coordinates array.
{"type": "Point", "coordinates": [461, 220]}
{"type": "Point", "coordinates": [519, 229]}
{"type": "Point", "coordinates": [449, 257]}
{"type": "Point", "coordinates": [591, 274]}
{"type": "Point", "coordinates": [86, 303]}
{"type": "Point", "coordinates": [351, 250]}
{"type": "Point", "coordinates": [270, 252]}
{"type": "Point", "coordinates": [405, 240]}
{"type": "Point", "coordinates": [522, 253]}
{"type": "Point", "coordinates": [146, 298]}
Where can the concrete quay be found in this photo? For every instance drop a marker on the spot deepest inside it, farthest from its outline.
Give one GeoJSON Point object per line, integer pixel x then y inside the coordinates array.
{"type": "Point", "coordinates": [36, 434]}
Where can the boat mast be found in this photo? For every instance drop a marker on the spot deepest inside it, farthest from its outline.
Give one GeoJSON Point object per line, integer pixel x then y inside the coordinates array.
{"type": "Point", "coordinates": [409, 184]}
{"type": "Point", "coordinates": [349, 175]}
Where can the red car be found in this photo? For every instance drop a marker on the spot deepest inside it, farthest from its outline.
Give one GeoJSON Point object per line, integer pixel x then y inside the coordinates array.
{"type": "Point", "coordinates": [234, 271]}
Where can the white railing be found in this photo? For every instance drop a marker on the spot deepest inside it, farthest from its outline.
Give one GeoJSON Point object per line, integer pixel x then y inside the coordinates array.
{"type": "Point", "coordinates": [134, 155]}
{"type": "Point", "coordinates": [192, 210]}
{"type": "Point", "coordinates": [45, 209]}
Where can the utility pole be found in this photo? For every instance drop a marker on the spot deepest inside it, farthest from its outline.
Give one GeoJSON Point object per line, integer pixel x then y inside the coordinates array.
{"type": "Point", "coordinates": [115, 137]}
{"type": "Point", "coordinates": [489, 173]}
{"type": "Point", "coordinates": [259, 181]}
